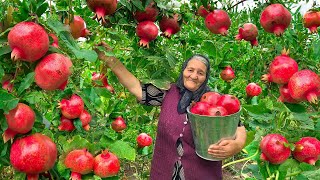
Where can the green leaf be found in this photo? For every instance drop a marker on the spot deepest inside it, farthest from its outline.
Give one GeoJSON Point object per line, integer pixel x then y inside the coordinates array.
{"type": "Point", "coordinates": [27, 81]}
{"type": "Point", "coordinates": [78, 124]}
{"type": "Point", "coordinates": [42, 9]}
{"type": "Point", "coordinates": [1, 72]}
{"type": "Point", "coordinates": [123, 150]}
{"type": "Point", "coordinates": [138, 4]}
{"type": "Point", "coordinates": [290, 165]}
{"type": "Point", "coordinates": [298, 108]}
{"type": "Point", "coordinates": [56, 25]}
{"type": "Point", "coordinates": [34, 97]}
{"type": "Point", "coordinates": [305, 121]}
{"type": "Point", "coordinates": [77, 143]}
{"type": "Point", "coordinates": [5, 50]}
{"type": "Point", "coordinates": [4, 150]}
{"type": "Point", "coordinates": [88, 55]}
{"type": "Point", "coordinates": [7, 101]}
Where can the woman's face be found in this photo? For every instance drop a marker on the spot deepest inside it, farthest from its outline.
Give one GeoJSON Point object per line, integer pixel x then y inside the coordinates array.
{"type": "Point", "coordinates": [194, 74]}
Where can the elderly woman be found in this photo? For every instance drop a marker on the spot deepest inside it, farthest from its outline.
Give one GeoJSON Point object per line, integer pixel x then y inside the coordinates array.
{"type": "Point", "coordinates": [174, 155]}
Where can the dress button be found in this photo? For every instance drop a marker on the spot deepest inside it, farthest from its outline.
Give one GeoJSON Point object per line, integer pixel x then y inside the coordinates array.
{"type": "Point", "coordinates": [185, 122]}
{"type": "Point", "coordinates": [181, 135]}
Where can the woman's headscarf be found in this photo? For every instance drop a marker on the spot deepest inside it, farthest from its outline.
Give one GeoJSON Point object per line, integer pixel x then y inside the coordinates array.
{"type": "Point", "coordinates": [186, 95]}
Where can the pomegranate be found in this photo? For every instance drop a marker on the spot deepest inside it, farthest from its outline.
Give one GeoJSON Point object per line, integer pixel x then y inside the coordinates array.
{"type": "Point", "coordinates": [28, 41]}
{"type": "Point", "coordinates": [248, 32]}
{"type": "Point", "coordinates": [275, 19]}
{"type": "Point", "coordinates": [66, 124]}
{"type": "Point", "coordinates": [169, 26]}
{"type": "Point", "coordinates": [143, 140]}
{"type": "Point", "coordinates": [253, 89]}
{"type": "Point", "coordinates": [202, 11]}
{"type": "Point", "coordinates": [33, 154]}
{"type": "Point", "coordinates": [227, 74]}
{"type": "Point", "coordinates": [63, 85]}
{"type": "Point", "coordinates": [285, 95]}
{"type": "Point", "coordinates": [311, 20]}
{"type": "Point", "coordinates": [19, 120]}
{"type": "Point", "coordinates": [78, 27]}
{"type": "Point", "coordinates": [85, 118]}
{"type": "Point", "coordinates": [307, 149]}
{"type": "Point", "coordinates": [200, 108]}
{"type": "Point", "coordinates": [149, 14]}
{"type": "Point", "coordinates": [217, 111]}
{"type": "Point", "coordinates": [7, 84]}
{"type": "Point", "coordinates": [106, 164]}
{"type": "Point", "coordinates": [80, 161]}
{"type": "Point", "coordinates": [52, 71]}
{"type": "Point", "coordinates": [73, 107]}
{"type": "Point", "coordinates": [218, 22]}
{"type": "Point", "coordinates": [281, 69]}
{"type": "Point", "coordinates": [147, 31]}
{"type": "Point", "coordinates": [304, 85]}
{"type": "Point", "coordinates": [274, 149]}
{"type": "Point", "coordinates": [118, 124]}
{"type": "Point", "coordinates": [230, 103]}
{"type": "Point", "coordinates": [107, 85]}
{"type": "Point", "coordinates": [55, 42]}
{"type": "Point", "coordinates": [102, 8]}
{"type": "Point", "coordinates": [210, 97]}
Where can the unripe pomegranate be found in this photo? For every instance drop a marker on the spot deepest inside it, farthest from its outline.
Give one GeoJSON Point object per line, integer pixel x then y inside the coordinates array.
{"type": "Point", "coordinates": [33, 154]}
{"type": "Point", "coordinates": [202, 11]}
{"type": "Point", "coordinates": [275, 19]}
{"type": "Point", "coordinates": [19, 120]}
{"type": "Point", "coordinates": [218, 22]}
{"type": "Point", "coordinates": [147, 31]}
{"type": "Point", "coordinates": [78, 28]}
{"type": "Point", "coordinates": [149, 14]}
{"type": "Point", "coordinates": [210, 97]}
{"type": "Point", "coordinates": [118, 124]}
{"type": "Point", "coordinates": [200, 108]}
{"type": "Point", "coordinates": [73, 107]}
{"type": "Point", "coordinates": [143, 140]}
{"type": "Point", "coordinates": [66, 124]}
{"type": "Point", "coordinates": [304, 85]}
{"type": "Point", "coordinates": [227, 74]}
{"type": "Point", "coordinates": [52, 71]}
{"type": "Point", "coordinates": [28, 41]}
{"type": "Point", "coordinates": [253, 89]}
{"type": "Point", "coordinates": [230, 103]}
{"type": "Point", "coordinates": [55, 42]}
{"type": "Point", "coordinates": [80, 162]}
{"type": "Point", "coordinates": [216, 111]}
{"type": "Point", "coordinates": [85, 118]}
{"type": "Point", "coordinates": [311, 20]}
{"type": "Point", "coordinates": [285, 95]}
{"type": "Point", "coordinates": [106, 164]}
{"type": "Point", "coordinates": [307, 149]}
{"type": "Point", "coordinates": [248, 32]}
{"type": "Point", "coordinates": [274, 149]}
{"type": "Point", "coordinates": [102, 8]}
{"type": "Point", "coordinates": [281, 69]}
{"type": "Point", "coordinates": [169, 26]}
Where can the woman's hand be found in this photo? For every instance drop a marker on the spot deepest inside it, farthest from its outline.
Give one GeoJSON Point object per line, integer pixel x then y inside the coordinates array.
{"type": "Point", "coordinates": [101, 50]}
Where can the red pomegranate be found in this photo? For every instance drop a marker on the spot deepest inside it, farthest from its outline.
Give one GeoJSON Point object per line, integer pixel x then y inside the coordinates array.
{"type": "Point", "coordinates": [7, 84]}
{"type": "Point", "coordinates": [52, 71]}
{"type": "Point", "coordinates": [63, 85]}
{"type": "Point", "coordinates": [253, 89]}
{"type": "Point", "coordinates": [106, 164]}
{"type": "Point", "coordinates": [304, 85]}
{"type": "Point", "coordinates": [281, 69]}
{"type": "Point", "coordinates": [275, 19]}
{"type": "Point", "coordinates": [149, 14]}
{"type": "Point", "coordinates": [85, 118]}
{"type": "Point", "coordinates": [80, 162]}
{"type": "Point", "coordinates": [19, 120]}
{"type": "Point", "coordinates": [227, 74]}
{"type": "Point", "coordinates": [230, 103]}
{"type": "Point", "coordinates": [200, 108]}
{"type": "Point", "coordinates": [78, 28]}
{"type": "Point", "coordinates": [307, 149]}
{"type": "Point", "coordinates": [102, 8]}
{"type": "Point", "coordinates": [202, 11]}
{"type": "Point", "coordinates": [55, 42]}
{"type": "Point", "coordinates": [147, 31]}
{"type": "Point", "coordinates": [143, 140]}
{"type": "Point", "coordinates": [217, 111]}
{"type": "Point", "coordinates": [210, 97]}
{"type": "Point", "coordinates": [169, 25]}
{"type": "Point", "coordinates": [33, 154]}
{"type": "Point", "coordinates": [72, 108]}
{"type": "Point", "coordinates": [218, 22]}
{"type": "Point", "coordinates": [29, 41]}
{"type": "Point", "coordinates": [118, 124]}
{"type": "Point", "coordinates": [311, 20]}
{"type": "Point", "coordinates": [274, 148]}
{"type": "Point", "coordinates": [107, 85]}
{"type": "Point", "coordinates": [285, 95]}
{"type": "Point", "coordinates": [248, 32]}
{"type": "Point", "coordinates": [66, 124]}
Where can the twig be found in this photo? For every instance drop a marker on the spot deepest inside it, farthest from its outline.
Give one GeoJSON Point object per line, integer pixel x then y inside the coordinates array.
{"type": "Point", "coordinates": [240, 160]}
{"type": "Point", "coordinates": [236, 4]}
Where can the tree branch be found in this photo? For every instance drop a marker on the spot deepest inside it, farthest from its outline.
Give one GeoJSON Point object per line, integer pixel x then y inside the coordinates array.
{"type": "Point", "coordinates": [237, 4]}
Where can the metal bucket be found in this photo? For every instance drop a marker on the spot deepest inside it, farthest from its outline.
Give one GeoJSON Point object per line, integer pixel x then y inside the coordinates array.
{"type": "Point", "coordinates": [208, 130]}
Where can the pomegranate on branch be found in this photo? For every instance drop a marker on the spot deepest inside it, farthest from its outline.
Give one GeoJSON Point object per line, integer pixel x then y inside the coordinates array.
{"type": "Point", "coordinates": [149, 14]}
{"type": "Point", "coordinates": [72, 108]}
{"type": "Point", "coordinates": [227, 74]}
{"type": "Point", "coordinates": [147, 31]}
{"type": "Point", "coordinates": [106, 164]}
{"type": "Point", "coordinates": [307, 150]}
{"type": "Point", "coordinates": [169, 25]}
{"type": "Point", "coordinates": [248, 32]}
{"type": "Point", "coordinates": [102, 8]}
{"type": "Point", "coordinates": [218, 22]}
{"type": "Point", "coordinates": [80, 162]}
{"type": "Point", "coordinates": [274, 148]}
{"type": "Point", "coordinates": [311, 20]}
{"type": "Point", "coordinates": [78, 27]}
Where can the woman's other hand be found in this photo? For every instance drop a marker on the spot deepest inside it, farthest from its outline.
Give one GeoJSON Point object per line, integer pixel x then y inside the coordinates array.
{"type": "Point", "coordinates": [101, 49]}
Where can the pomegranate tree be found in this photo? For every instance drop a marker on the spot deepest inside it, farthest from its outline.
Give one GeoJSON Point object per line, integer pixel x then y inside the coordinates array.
{"type": "Point", "coordinates": [118, 124]}
{"type": "Point", "coordinates": [285, 95]}
{"type": "Point", "coordinates": [227, 74]}
{"type": "Point", "coordinates": [29, 41]}
{"type": "Point", "coordinates": [169, 25]}
{"type": "Point", "coordinates": [106, 164]}
{"type": "Point", "coordinates": [80, 162]}
{"type": "Point", "coordinates": [147, 31]}
{"type": "Point", "coordinates": [248, 32]}
{"type": "Point", "coordinates": [218, 22]}
{"type": "Point", "coordinates": [78, 28]}
{"type": "Point", "coordinates": [20, 120]}
{"type": "Point", "coordinates": [52, 71]}
{"type": "Point", "coordinates": [304, 85]}
{"type": "Point", "coordinates": [281, 69]}
{"type": "Point", "coordinates": [210, 97]}
{"type": "Point", "coordinates": [33, 154]}
{"type": "Point", "coordinates": [307, 149]}
{"type": "Point", "coordinates": [311, 20]}
{"type": "Point", "coordinates": [150, 13]}
{"type": "Point", "coordinates": [253, 89]}
{"type": "Point", "coordinates": [102, 8]}
{"type": "Point", "coordinates": [230, 103]}
{"type": "Point", "coordinates": [274, 148]}
{"type": "Point", "coordinates": [143, 140]}
{"type": "Point", "coordinates": [275, 19]}
{"type": "Point", "coordinates": [72, 108]}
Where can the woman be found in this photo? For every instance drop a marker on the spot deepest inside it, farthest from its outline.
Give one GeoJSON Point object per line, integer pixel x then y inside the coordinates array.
{"type": "Point", "coordinates": [174, 155]}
